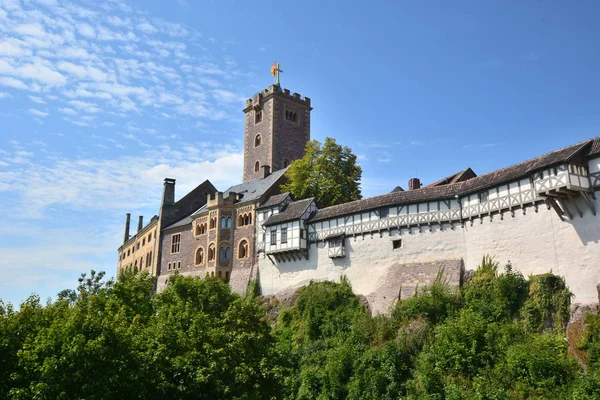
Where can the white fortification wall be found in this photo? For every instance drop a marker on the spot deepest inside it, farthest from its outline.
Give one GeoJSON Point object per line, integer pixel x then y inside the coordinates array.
{"type": "Point", "coordinates": [534, 242]}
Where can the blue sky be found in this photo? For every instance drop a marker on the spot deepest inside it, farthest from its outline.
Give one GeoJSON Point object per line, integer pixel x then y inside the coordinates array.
{"type": "Point", "coordinates": [100, 101]}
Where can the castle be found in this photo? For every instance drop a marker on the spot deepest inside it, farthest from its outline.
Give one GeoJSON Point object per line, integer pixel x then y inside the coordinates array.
{"type": "Point", "coordinates": [540, 215]}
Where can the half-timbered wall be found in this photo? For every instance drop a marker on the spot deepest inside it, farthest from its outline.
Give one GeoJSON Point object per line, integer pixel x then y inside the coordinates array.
{"type": "Point", "coordinates": [509, 221]}
{"type": "Point", "coordinates": [594, 166]}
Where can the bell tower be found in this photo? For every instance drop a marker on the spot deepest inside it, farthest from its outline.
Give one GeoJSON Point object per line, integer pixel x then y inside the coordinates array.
{"type": "Point", "coordinates": [276, 130]}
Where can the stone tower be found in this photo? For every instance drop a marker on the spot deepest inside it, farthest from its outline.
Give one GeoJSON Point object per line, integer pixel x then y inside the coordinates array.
{"type": "Point", "coordinates": [276, 129]}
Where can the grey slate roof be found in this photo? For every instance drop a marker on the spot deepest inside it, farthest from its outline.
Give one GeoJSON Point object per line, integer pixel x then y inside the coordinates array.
{"type": "Point", "coordinates": [462, 188]}
{"type": "Point", "coordinates": [292, 212]}
{"type": "Point", "coordinates": [251, 190]}
{"type": "Point", "coordinates": [254, 189]}
{"type": "Point", "coordinates": [274, 200]}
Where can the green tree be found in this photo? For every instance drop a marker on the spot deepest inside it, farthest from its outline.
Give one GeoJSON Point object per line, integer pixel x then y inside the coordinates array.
{"type": "Point", "coordinates": [327, 172]}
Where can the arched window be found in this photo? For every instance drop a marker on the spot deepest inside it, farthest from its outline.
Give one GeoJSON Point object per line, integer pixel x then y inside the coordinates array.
{"type": "Point", "coordinates": [228, 253]}
{"type": "Point", "coordinates": [199, 256]}
{"type": "Point", "coordinates": [243, 249]}
{"type": "Point", "coordinates": [223, 222]}
{"type": "Point", "coordinates": [257, 116]}
{"type": "Point", "coordinates": [249, 219]}
{"type": "Point", "coordinates": [212, 274]}
{"type": "Point", "coordinates": [257, 140]}
{"type": "Point", "coordinates": [241, 220]}
{"type": "Point", "coordinates": [222, 253]}
{"type": "Point", "coordinates": [228, 224]}
{"type": "Point", "coordinates": [211, 252]}
{"type": "Point", "coordinates": [256, 166]}
{"type": "Point", "coordinates": [286, 162]}
{"type": "Point", "coordinates": [295, 117]}
{"type": "Point", "coordinates": [246, 220]}
{"type": "Point", "coordinates": [226, 276]}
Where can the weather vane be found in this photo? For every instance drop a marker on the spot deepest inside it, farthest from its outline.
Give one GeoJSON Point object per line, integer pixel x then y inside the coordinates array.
{"type": "Point", "coordinates": [275, 70]}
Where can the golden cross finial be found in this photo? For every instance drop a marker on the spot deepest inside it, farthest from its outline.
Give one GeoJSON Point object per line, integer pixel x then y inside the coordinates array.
{"type": "Point", "coordinates": [275, 70]}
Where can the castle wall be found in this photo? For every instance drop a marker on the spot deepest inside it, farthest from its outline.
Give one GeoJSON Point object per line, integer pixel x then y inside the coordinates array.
{"type": "Point", "coordinates": [138, 252]}
{"type": "Point", "coordinates": [534, 242]}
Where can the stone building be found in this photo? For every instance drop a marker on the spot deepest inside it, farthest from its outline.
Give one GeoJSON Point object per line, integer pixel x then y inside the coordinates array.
{"type": "Point", "coordinates": [212, 233]}
{"type": "Point", "coordinates": [540, 215]}
{"type": "Point", "coordinates": [218, 238]}
{"type": "Point", "coordinates": [141, 251]}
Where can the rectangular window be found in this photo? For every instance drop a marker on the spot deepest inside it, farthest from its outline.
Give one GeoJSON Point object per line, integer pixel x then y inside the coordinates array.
{"type": "Point", "coordinates": [283, 235]}
{"type": "Point", "coordinates": [483, 196]}
{"type": "Point", "coordinates": [175, 243]}
{"type": "Point", "coordinates": [273, 237]}
{"type": "Point", "coordinates": [169, 267]}
{"type": "Point", "coordinates": [384, 212]}
{"type": "Point", "coordinates": [397, 244]}
{"type": "Point", "coordinates": [178, 264]}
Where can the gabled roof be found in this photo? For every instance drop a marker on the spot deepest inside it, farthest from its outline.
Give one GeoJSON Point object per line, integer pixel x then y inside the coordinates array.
{"type": "Point", "coordinates": [397, 189]}
{"type": "Point", "coordinates": [182, 222]}
{"type": "Point", "coordinates": [595, 148]}
{"type": "Point", "coordinates": [292, 212]}
{"type": "Point", "coordinates": [461, 188]}
{"type": "Point", "coordinates": [463, 175]}
{"type": "Point", "coordinates": [274, 200]}
{"type": "Point", "coordinates": [252, 190]}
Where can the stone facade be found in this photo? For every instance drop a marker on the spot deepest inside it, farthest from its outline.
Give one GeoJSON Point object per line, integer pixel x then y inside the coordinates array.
{"type": "Point", "coordinates": [183, 260]}
{"type": "Point", "coordinates": [276, 130]}
{"type": "Point", "coordinates": [138, 251]}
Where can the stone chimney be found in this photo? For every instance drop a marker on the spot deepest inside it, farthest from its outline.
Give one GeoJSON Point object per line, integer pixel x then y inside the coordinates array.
{"type": "Point", "coordinates": [169, 192]}
{"type": "Point", "coordinates": [127, 221]}
{"type": "Point", "coordinates": [414, 183]}
{"type": "Point", "coordinates": [266, 171]}
{"type": "Point", "coordinates": [140, 223]}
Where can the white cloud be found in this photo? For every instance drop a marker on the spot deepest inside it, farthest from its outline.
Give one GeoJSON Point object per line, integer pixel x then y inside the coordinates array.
{"type": "Point", "coordinates": [30, 30]}
{"type": "Point", "coordinates": [4, 95]}
{"type": "Point", "coordinates": [86, 30]}
{"type": "Point", "coordinates": [146, 27]}
{"type": "Point", "coordinates": [225, 96]}
{"type": "Point", "coordinates": [38, 113]}
{"type": "Point", "coordinates": [68, 111]}
{"type": "Point", "coordinates": [106, 184]}
{"type": "Point", "coordinates": [12, 82]}
{"type": "Point", "coordinates": [82, 72]}
{"type": "Point", "coordinates": [36, 99]}
{"type": "Point", "coordinates": [85, 106]}
{"type": "Point", "coordinates": [13, 47]}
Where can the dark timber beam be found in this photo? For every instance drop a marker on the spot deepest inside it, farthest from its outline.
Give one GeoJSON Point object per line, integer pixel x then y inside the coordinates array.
{"type": "Point", "coordinates": [556, 208]}
{"type": "Point", "coordinates": [574, 201]}
{"type": "Point", "coordinates": [589, 202]}
{"type": "Point", "coordinates": [566, 210]}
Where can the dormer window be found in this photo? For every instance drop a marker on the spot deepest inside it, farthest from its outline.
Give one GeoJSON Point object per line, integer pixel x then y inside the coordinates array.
{"type": "Point", "coordinates": [257, 116]}
{"type": "Point", "coordinates": [257, 140]}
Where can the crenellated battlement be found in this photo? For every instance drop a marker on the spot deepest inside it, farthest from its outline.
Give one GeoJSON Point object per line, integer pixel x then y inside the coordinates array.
{"type": "Point", "coordinates": [275, 90]}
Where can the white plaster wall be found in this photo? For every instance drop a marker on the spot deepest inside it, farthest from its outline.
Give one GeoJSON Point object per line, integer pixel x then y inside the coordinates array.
{"type": "Point", "coordinates": [534, 243]}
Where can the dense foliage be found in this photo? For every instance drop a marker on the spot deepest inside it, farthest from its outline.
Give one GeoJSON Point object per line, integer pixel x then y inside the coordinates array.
{"type": "Point", "coordinates": [499, 337]}
{"type": "Point", "coordinates": [327, 172]}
